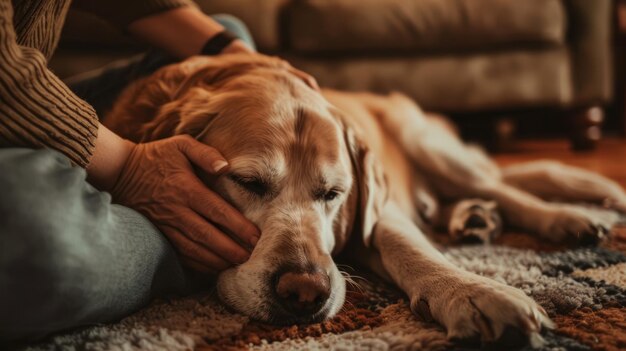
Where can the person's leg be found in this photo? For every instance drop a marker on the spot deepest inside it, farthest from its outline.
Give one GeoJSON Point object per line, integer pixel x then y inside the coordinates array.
{"type": "Point", "coordinates": [68, 257]}
{"type": "Point", "coordinates": [101, 87]}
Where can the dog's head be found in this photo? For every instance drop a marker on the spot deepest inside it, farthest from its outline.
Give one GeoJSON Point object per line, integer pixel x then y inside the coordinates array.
{"type": "Point", "coordinates": [296, 171]}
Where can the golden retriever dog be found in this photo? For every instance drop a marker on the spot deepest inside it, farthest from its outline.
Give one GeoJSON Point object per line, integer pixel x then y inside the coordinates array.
{"type": "Point", "coordinates": [322, 173]}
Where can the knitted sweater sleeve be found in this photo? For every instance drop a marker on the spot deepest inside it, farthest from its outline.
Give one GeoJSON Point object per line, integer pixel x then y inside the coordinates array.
{"type": "Point", "coordinates": [36, 109]}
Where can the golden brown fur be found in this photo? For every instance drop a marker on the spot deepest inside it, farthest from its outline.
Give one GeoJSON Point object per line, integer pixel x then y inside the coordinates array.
{"type": "Point", "coordinates": [389, 166]}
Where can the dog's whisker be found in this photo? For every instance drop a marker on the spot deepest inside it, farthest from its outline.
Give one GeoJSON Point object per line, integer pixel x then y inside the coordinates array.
{"type": "Point", "coordinates": [343, 265]}
{"type": "Point", "coordinates": [352, 276]}
{"type": "Point", "coordinates": [347, 306]}
{"type": "Point", "coordinates": [353, 283]}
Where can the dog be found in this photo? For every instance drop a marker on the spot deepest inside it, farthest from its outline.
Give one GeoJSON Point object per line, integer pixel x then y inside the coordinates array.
{"type": "Point", "coordinates": [327, 172]}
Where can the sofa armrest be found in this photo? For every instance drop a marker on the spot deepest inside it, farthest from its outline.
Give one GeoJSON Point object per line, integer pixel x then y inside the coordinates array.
{"type": "Point", "coordinates": [589, 39]}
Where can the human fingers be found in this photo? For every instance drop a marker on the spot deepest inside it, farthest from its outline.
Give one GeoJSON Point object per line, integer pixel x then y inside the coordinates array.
{"type": "Point", "coordinates": [204, 233]}
{"type": "Point", "coordinates": [197, 266]}
{"type": "Point", "coordinates": [207, 158]}
{"type": "Point", "coordinates": [188, 248]}
{"type": "Point", "coordinates": [212, 207]}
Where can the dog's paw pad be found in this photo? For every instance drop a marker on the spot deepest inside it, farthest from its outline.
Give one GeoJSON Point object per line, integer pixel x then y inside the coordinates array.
{"type": "Point", "coordinates": [593, 236]}
{"type": "Point", "coordinates": [475, 221]}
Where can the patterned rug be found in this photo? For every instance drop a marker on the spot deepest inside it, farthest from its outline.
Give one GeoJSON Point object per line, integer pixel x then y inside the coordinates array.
{"type": "Point", "coordinates": [583, 290]}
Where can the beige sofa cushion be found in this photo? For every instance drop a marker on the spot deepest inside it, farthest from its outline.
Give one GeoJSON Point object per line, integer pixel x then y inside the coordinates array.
{"type": "Point", "coordinates": [455, 83]}
{"type": "Point", "coordinates": [370, 25]}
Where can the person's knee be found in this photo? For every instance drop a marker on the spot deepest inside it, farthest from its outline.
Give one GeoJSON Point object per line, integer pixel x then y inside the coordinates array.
{"type": "Point", "coordinates": [24, 169]}
{"type": "Point", "coordinates": [42, 258]}
{"type": "Point", "coordinates": [235, 26]}
{"type": "Point", "coordinates": [46, 203]}
{"type": "Point", "coordinates": [43, 194]}
{"type": "Point", "coordinates": [24, 160]}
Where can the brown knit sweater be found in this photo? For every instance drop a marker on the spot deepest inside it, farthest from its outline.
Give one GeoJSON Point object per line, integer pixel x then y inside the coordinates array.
{"type": "Point", "coordinates": [36, 108]}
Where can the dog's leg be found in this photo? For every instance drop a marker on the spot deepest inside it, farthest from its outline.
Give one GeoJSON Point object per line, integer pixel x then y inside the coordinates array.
{"type": "Point", "coordinates": [471, 221]}
{"type": "Point", "coordinates": [467, 304]}
{"type": "Point", "coordinates": [553, 180]}
{"type": "Point", "coordinates": [457, 171]}
{"type": "Point", "coordinates": [454, 174]}
{"type": "Point", "coordinates": [553, 221]}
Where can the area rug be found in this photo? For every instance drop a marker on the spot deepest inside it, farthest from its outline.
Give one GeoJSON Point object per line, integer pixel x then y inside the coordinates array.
{"type": "Point", "coordinates": [583, 290]}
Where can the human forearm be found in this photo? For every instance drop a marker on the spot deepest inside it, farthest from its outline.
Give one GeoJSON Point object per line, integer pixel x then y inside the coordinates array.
{"type": "Point", "coordinates": [181, 32]}
{"type": "Point", "coordinates": [109, 156]}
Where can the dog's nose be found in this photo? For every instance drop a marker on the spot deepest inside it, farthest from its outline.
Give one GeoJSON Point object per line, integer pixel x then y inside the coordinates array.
{"type": "Point", "coordinates": [303, 293]}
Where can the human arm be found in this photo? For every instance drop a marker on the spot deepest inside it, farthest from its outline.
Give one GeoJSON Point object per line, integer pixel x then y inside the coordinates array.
{"type": "Point", "coordinates": [36, 108]}
{"type": "Point", "coordinates": [184, 31]}
{"type": "Point", "coordinates": [177, 27]}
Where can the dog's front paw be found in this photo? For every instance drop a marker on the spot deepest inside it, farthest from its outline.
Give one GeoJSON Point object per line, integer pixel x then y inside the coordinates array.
{"type": "Point", "coordinates": [585, 226]}
{"type": "Point", "coordinates": [485, 310]}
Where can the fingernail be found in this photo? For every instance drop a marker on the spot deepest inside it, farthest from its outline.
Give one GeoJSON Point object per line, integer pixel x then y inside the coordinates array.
{"type": "Point", "coordinates": [219, 165]}
{"type": "Point", "coordinates": [254, 240]}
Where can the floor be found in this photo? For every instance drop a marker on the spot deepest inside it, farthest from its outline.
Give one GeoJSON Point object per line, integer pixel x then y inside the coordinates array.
{"type": "Point", "coordinates": [608, 159]}
{"type": "Point", "coordinates": [572, 286]}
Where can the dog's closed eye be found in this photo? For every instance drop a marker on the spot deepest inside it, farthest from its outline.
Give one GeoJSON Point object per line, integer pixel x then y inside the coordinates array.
{"type": "Point", "coordinates": [327, 195]}
{"type": "Point", "coordinates": [252, 185]}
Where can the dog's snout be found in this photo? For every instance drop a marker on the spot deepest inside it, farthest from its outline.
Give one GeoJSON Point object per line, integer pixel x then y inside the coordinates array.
{"type": "Point", "coordinates": [303, 293]}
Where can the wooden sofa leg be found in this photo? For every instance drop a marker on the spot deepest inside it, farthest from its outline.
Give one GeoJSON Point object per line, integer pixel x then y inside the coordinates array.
{"type": "Point", "coordinates": [504, 130]}
{"type": "Point", "coordinates": [586, 128]}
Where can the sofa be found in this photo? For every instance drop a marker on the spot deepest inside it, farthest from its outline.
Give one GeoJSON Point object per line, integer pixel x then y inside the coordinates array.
{"type": "Point", "coordinates": [452, 56]}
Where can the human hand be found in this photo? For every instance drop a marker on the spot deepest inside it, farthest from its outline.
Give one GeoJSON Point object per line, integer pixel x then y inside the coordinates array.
{"type": "Point", "coordinates": [158, 180]}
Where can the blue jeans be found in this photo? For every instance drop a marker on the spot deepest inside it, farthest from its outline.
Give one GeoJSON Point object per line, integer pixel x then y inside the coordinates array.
{"type": "Point", "coordinates": [68, 256]}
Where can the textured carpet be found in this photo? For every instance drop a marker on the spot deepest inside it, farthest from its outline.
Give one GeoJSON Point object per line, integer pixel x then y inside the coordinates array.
{"type": "Point", "coordinates": [583, 290]}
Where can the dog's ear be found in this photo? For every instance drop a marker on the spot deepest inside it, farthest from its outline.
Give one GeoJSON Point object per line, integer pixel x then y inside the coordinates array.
{"type": "Point", "coordinates": [152, 108]}
{"type": "Point", "coordinates": [369, 192]}
{"type": "Point", "coordinates": [191, 115]}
